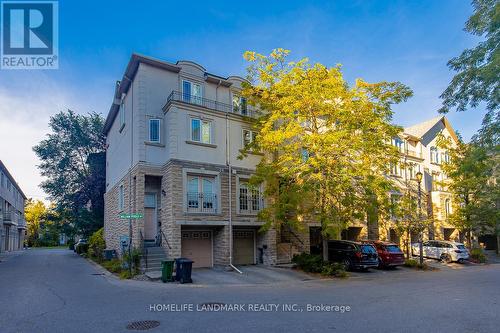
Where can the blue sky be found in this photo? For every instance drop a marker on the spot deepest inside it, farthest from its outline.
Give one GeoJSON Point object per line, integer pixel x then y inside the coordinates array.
{"type": "Point", "coordinates": [407, 41]}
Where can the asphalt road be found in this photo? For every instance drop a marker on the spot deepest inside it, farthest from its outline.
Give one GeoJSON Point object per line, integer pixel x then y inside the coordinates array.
{"type": "Point", "coordinates": [57, 291]}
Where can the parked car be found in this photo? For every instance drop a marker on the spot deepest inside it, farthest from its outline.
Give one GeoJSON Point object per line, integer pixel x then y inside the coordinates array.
{"type": "Point", "coordinates": [81, 245]}
{"type": "Point", "coordinates": [352, 254]}
{"type": "Point", "coordinates": [446, 251]}
{"type": "Point", "coordinates": [389, 254]}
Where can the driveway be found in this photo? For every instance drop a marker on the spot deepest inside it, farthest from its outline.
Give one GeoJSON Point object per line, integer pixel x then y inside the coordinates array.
{"type": "Point", "coordinates": [58, 291]}
{"type": "Point", "coordinates": [251, 275]}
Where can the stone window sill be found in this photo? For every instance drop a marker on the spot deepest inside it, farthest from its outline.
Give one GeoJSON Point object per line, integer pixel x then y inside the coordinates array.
{"type": "Point", "coordinates": [209, 145]}
{"type": "Point", "coordinates": [154, 144]}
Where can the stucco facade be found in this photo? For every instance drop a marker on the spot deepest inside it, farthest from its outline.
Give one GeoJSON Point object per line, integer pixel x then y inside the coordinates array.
{"type": "Point", "coordinates": [193, 173]}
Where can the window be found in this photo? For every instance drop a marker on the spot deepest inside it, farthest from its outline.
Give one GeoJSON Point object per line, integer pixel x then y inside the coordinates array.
{"type": "Point", "coordinates": [121, 198]}
{"type": "Point", "coordinates": [201, 130]}
{"type": "Point", "coordinates": [9, 185]}
{"type": "Point", "coordinates": [446, 157]}
{"type": "Point", "coordinates": [250, 198]}
{"type": "Point", "coordinates": [239, 104]}
{"type": "Point", "coordinates": [154, 130]}
{"type": "Point", "coordinates": [201, 195]}
{"type": "Point", "coordinates": [434, 155]}
{"type": "Point", "coordinates": [396, 170]}
{"type": "Point", "coordinates": [122, 114]}
{"type": "Point", "coordinates": [248, 137]}
{"type": "Point", "coordinates": [2, 179]}
{"type": "Point", "coordinates": [192, 92]}
{"type": "Point", "coordinates": [398, 143]}
{"type": "Point", "coordinates": [447, 208]}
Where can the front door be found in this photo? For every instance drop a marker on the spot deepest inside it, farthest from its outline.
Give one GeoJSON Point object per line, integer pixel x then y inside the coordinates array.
{"type": "Point", "coordinates": [150, 216]}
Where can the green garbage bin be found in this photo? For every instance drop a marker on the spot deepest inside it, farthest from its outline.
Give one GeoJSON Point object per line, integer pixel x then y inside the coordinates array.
{"type": "Point", "coordinates": [167, 268]}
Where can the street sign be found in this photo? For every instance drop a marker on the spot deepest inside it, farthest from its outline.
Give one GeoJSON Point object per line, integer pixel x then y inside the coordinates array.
{"type": "Point", "coordinates": [132, 216]}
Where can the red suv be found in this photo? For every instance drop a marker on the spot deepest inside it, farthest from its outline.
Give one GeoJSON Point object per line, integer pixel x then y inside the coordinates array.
{"type": "Point", "coordinates": [389, 254]}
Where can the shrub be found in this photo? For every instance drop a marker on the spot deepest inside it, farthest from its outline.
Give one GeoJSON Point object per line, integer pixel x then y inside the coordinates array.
{"type": "Point", "coordinates": [308, 263]}
{"type": "Point", "coordinates": [97, 244]}
{"type": "Point", "coordinates": [125, 274]}
{"type": "Point", "coordinates": [114, 265]}
{"type": "Point", "coordinates": [411, 263]}
{"type": "Point", "coordinates": [314, 264]}
{"type": "Point", "coordinates": [333, 269]}
{"type": "Point", "coordinates": [477, 255]}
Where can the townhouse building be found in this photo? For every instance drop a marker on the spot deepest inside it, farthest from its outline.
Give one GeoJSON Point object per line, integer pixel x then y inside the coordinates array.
{"type": "Point", "coordinates": [421, 153]}
{"type": "Point", "coordinates": [12, 222]}
{"type": "Point", "coordinates": [174, 135]}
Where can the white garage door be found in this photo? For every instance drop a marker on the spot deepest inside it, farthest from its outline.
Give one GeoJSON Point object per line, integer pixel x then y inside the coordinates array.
{"type": "Point", "coordinates": [197, 246]}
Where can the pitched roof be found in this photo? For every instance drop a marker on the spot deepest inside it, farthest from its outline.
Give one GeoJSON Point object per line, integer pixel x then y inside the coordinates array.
{"type": "Point", "coordinates": [420, 129]}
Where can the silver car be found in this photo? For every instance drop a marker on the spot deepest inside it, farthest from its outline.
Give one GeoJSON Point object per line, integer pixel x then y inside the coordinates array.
{"type": "Point", "coordinates": [446, 251]}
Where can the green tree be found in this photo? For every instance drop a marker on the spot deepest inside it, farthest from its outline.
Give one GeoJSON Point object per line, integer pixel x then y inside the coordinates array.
{"type": "Point", "coordinates": [474, 178]}
{"type": "Point", "coordinates": [326, 144]}
{"type": "Point", "coordinates": [478, 69]}
{"type": "Point", "coordinates": [35, 213]}
{"type": "Point", "coordinates": [68, 160]}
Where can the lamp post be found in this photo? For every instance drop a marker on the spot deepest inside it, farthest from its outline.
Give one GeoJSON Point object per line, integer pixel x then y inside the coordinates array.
{"type": "Point", "coordinates": [421, 248]}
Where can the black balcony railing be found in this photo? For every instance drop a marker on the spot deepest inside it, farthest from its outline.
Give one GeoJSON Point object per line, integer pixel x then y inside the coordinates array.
{"type": "Point", "coordinates": [8, 216]}
{"type": "Point", "coordinates": [201, 202]}
{"type": "Point", "coordinates": [177, 96]}
{"type": "Point", "coordinates": [250, 203]}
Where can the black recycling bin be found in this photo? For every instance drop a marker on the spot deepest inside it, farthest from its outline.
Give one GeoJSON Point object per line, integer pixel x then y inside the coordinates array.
{"type": "Point", "coordinates": [183, 268]}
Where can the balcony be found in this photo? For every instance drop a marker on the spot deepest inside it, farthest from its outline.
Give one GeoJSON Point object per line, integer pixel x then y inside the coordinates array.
{"type": "Point", "coordinates": [177, 96]}
{"type": "Point", "coordinates": [250, 203]}
{"type": "Point", "coordinates": [7, 216]}
{"type": "Point", "coordinates": [201, 202]}
{"type": "Point", "coordinates": [413, 153]}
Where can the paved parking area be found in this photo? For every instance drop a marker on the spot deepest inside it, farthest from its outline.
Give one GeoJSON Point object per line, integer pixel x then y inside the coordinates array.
{"type": "Point", "coordinates": [251, 275]}
{"type": "Point", "coordinates": [59, 291]}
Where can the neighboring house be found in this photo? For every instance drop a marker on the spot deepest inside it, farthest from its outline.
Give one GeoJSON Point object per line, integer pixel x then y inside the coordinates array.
{"type": "Point", "coordinates": [421, 153]}
{"type": "Point", "coordinates": [174, 134]}
{"type": "Point", "coordinates": [12, 222]}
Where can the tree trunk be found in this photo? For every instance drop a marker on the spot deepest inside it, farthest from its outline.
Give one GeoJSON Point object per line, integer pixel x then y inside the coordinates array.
{"type": "Point", "coordinates": [498, 243]}
{"type": "Point", "coordinates": [325, 249]}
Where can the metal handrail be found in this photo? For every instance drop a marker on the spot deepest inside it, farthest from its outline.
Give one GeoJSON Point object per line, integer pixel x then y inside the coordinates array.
{"type": "Point", "coordinates": [144, 249]}
{"type": "Point", "coordinates": [200, 202]}
{"type": "Point", "coordinates": [178, 96]}
{"type": "Point", "coordinates": [165, 238]}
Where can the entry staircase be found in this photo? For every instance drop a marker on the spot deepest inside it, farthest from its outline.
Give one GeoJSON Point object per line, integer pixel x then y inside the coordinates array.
{"type": "Point", "coordinates": [290, 245]}
{"type": "Point", "coordinates": [154, 251]}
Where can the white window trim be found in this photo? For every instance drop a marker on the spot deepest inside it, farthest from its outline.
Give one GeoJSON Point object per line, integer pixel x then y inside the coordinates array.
{"type": "Point", "coordinates": [252, 133]}
{"type": "Point", "coordinates": [201, 120]}
{"type": "Point", "coordinates": [159, 130]}
{"type": "Point", "coordinates": [191, 82]}
{"type": "Point", "coordinates": [244, 179]}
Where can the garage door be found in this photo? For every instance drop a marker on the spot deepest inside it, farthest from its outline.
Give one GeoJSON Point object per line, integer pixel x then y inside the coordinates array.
{"type": "Point", "coordinates": [243, 247]}
{"type": "Point", "coordinates": [197, 246]}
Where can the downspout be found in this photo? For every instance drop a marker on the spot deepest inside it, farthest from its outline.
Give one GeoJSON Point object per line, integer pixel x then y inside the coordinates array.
{"type": "Point", "coordinates": [228, 164]}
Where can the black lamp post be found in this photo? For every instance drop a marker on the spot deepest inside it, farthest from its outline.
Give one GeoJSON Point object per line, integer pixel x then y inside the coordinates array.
{"type": "Point", "coordinates": [421, 248]}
